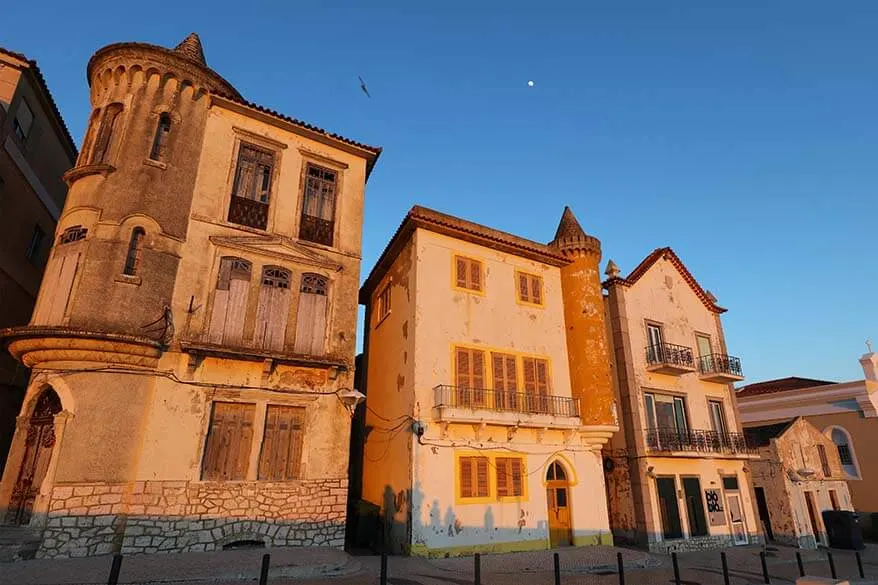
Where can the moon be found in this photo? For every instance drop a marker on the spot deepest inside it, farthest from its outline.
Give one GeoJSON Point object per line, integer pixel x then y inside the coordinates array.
{"type": "Point", "coordinates": [530, 83]}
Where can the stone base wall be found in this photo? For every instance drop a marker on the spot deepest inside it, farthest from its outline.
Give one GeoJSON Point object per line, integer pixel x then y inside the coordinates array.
{"type": "Point", "coordinates": [178, 516]}
{"type": "Point", "coordinates": [697, 543]}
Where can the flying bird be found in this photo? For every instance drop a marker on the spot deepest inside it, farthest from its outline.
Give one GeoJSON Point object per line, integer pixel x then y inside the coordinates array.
{"type": "Point", "coordinates": [363, 87]}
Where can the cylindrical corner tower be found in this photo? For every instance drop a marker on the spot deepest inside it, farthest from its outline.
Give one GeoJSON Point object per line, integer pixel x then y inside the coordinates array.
{"type": "Point", "coordinates": [587, 346]}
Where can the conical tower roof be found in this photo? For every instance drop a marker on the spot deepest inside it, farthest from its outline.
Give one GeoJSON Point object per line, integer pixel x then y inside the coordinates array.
{"type": "Point", "coordinates": [571, 238]}
{"type": "Point", "coordinates": [190, 48]}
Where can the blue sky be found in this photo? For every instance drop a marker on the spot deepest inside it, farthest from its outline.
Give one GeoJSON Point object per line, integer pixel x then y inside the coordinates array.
{"type": "Point", "coordinates": [742, 134]}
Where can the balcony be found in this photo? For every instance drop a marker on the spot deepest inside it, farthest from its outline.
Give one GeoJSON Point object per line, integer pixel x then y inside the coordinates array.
{"type": "Point", "coordinates": [249, 212]}
{"type": "Point", "coordinates": [691, 442]}
{"type": "Point", "coordinates": [315, 229]}
{"type": "Point", "coordinates": [718, 367]}
{"type": "Point", "coordinates": [667, 358]}
{"type": "Point", "coordinates": [454, 403]}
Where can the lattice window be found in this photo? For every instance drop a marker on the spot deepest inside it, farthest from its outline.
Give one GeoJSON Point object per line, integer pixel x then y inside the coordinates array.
{"type": "Point", "coordinates": [318, 207]}
{"type": "Point", "coordinates": [72, 234]}
{"type": "Point", "coordinates": [314, 284]}
{"type": "Point", "coordinates": [275, 277]}
{"type": "Point", "coordinates": [530, 288]}
{"type": "Point", "coordinates": [468, 273]}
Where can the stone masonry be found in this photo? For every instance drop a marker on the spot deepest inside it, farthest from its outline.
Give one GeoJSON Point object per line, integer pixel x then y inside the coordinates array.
{"type": "Point", "coordinates": [179, 516]}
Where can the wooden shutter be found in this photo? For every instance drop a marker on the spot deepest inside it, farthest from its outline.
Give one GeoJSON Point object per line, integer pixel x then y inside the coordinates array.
{"type": "Point", "coordinates": [461, 271]}
{"type": "Point", "coordinates": [48, 291]}
{"type": "Point", "coordinates": [536, 290]}
{"type": "Point", "coordinates": [530, 376]}
{"type": "Point", "coordinates": [503, 487]}
{"type": "Point", "coordinates": [66, 274]}
{"type": "Point", "coordinates": [466, 477]}
{"type": "Point", "coordinates": [542, 377]}
{"type": "Point", "coordinates": [282, 443]}
{"type": "Point", "coordinates": [229, 438]}
{"type": "Point", "coordinates": [273, 309]}
{"type": "Point", "coordinates": [311, 316]}
{"type": "Point", "coordinates": [523, 287]}
{"type": "Point", "coordinates": [230, 302]}
{"type": "Point", "coordinates": [470, 376]}
{"type": "Point", "coordinates": [475, 270]}
{"type": "Point", "coordinates": [473, 477]}
{"type": "Point", "coordinates": [481, 477]}
{"type": "Point", "coordinates": [505, 380]}
{"type": "Point", "coordinates": [509, 476]}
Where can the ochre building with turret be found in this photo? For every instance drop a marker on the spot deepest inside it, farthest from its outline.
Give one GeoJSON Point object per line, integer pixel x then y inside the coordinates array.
{"type": "Point", "coordinates": [193, 340]}
{"type": "Point", "coordinates": [489, 389]}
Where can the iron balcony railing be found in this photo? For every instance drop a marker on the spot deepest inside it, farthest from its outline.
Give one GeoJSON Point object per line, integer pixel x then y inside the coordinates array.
{"type": "Point", "coordinates": [315, 229]}
{"type": "Point", "coordinates": [717, 363]}
{"type": "Point", "coordinates": [504, 401]}
{"type": "Point", "coordinates": [668, 439]}
{"type": "Point", "coordinates": [668, 353]}
{"type": "Point", "coordinates": [248, 212]}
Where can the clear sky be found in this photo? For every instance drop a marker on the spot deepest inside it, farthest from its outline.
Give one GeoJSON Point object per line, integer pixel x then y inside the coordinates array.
{"type": "Point", "coordinates": [742, 134]}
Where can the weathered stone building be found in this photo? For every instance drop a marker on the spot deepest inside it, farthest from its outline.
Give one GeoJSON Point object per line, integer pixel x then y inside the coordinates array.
{"type": "Point", "coordinates": [798, 475]}
{"type": "Point", "coordinates": [35, 151]}
{"type": "Point", "coordinates": [489, 391]}
{"type": "Point", "coordinates": [193, 342]}
{"type": "Point", "coordinates": [677, 472]}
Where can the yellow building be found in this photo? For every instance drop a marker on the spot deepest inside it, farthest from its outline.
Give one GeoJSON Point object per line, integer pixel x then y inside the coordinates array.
{"type": "Point", "coordinates": [677, 474]}
{"type": "Point", "coordinates": [481, 436]}
{"type": "Point", "coordinates": [193, 341]}
{"type": "Point", "coordinates": [846, 412]}
{"type": "Point", "coordinates": [798, 476]}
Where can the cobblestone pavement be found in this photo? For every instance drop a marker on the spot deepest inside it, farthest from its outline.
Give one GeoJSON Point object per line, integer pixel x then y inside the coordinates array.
{"type": "Point", "coordinates": [579, 566]}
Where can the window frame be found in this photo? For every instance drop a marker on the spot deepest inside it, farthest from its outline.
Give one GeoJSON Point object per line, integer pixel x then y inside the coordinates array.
{"type": "Point", "coordinates": [522, 472]}
{"type": "Point", "coordinates": [134, 255]}
{"type": "Point", "coordinates": [20, 133]}
{"type": "Point", "coordinates": [531, 279]}
{"type": "Point", "coordinates": [34, 247]}
{"type": "Point", "coordinates": [720, 404]}
{"type": "Point", "coordinates": [652, 421]}
{"type": "Point", "coordinates": [158, 151]}
{"type": "Point", "coordinates": [384, 302]}
{"type": "Point", "coordinates": [469, 260]}
{"type": "Point", "coordinates": [244, 141]}
{"type": "Point", "coordinates": [308, 163]}
{"type": "Point", "coordinates": [855, 463]}
{"type": "Point", "coordinates": [459, 497]}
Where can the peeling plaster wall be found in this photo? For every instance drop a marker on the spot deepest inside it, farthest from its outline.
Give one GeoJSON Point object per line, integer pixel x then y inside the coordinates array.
{"type": "Point", "coordinates": [387, 475]}
{"type": "Point", "coordinates": [776, 472]}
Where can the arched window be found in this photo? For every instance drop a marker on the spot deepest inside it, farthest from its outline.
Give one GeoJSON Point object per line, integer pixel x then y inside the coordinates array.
{"type": "Point", "coordinates": [311, 316]}
{"type": "Point", "coordinates": [135, 247]}
{"type": "Point", "coordinates": [845, 446]}
{"type": "Point", "coordinates": [106, 133]}
{"type": "Point", "coordinates": [87, 143]}
{"type": "Point", "coordinates": [160, 142]}
{"type": "Point", "coordinates": [556, 472]}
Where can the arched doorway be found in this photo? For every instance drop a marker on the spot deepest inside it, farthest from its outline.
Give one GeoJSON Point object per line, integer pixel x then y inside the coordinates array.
{"type": "Point", "coordinates": [37, 453]}
{"type": "Point", "coordinates": [558, 499]}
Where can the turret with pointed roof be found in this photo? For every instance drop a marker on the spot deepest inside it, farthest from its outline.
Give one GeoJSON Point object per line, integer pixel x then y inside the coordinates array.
{"type": "Point", "coordinates": [571, 239]}
{"type": "Point", "coordinates": [190, 47]}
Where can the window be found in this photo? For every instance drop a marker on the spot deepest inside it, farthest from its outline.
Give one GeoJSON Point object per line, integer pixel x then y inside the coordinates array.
{"type": "Point", "coordinates": [530, 288]}
{"type": "Point", "coordinates": [229, 438]}
{"type": "Point", "coordinates": [846, 456]}
{"type": "Point", "coordinates": [282, 443]}
{"type": "Point", "coordinates": [666, 421]}
{"type": "Point", "coordinates": [470, 376]}
{"type": "Point", "coordinates": [384, 302]}
{"type": "Point", "coordinates": [510, 472]}
{"type": "Point", "coordinates": [56, 288]}
{"type": "Point", "coordinates": [730, 483]}
{"type": "Point", "coordinates": [473, 477]}
{"type": "Point", "coordinates": [655, 350]}
{"type": "Point", "coordinates": [468, 273]}
{"type": "Point", "coordinates": [273, 310]}
{"type": "Point", "coordinates": [311, 318]}
{"type": "Point", "coordinates": [34, 248]}
{"type": "Point", "coordinates": [717, 416]}
{"type": "Point", "coordinates": [556, 472]}
{"type": "Point", "coordinates": [23, 121]}
{"type": "Point", "coordinates": [251, 189]}
{"type": "Point", "coordinates": [318, 205]}
{"type": "Point", "coordinates": [106, 134]}
{"type": "Point", "coordinates": [135, 248]}
{"type": "Point", "coordinates": [72, 234]}
{"type": "Point", "coordinates": [824, 461]}
{"type": "Point", "coordinates": [85, 151]}
{"type": "Point", "coordinates": [160, 142]}
{"type": "Point", "coordinates": [536, 385]}
{"type": "Point", "coordinates": [705, 353]}
{"type": "Point", "coordinates": [504, 370]}
{"type": "Point", "coordinates": [230, 302]}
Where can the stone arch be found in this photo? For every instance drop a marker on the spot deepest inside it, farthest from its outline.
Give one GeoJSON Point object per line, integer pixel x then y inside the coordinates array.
{"type": "Point", "coordinates": [42, 382]}
{"type": "Point", "coordinates": [842, 439]}
{"type": "Point", "coordinates": [566, 464]}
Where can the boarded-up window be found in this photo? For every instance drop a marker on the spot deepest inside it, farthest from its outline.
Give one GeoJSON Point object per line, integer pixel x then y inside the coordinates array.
{"type": "Point", "coordinates": [473, 477]}
{"type": "Point", "coordinates": [503, 368]}
{"type": "Point", "coordinates": [470, 376]}
{"type": "Point", "coordinates": [106, 134]}
{"type": "Point", "coordinates": [536, 384]}
{"type": "Point", "coordinates": [229, 438]}
{"type": "Point", "coordinates": [311, 318]}
{"type": "Point", "coordinates": [230, 302]}
{"type": "Point", "coordinates": [468, 273]}
{"type": "Point", "coordinates": [510, 472]}
{"type": "Point", "coordinates": [824, 461]}
{"type": "Point", "coordinates": [274, 308]}
{"type": "Point", "coordinates": [530, 288]}
{"type": "Point", "coordinates": [281, 443]}
{"type": "Point", "coordinates": [318, 207]}
{"type": "Point", "coordinates": [56, 288]}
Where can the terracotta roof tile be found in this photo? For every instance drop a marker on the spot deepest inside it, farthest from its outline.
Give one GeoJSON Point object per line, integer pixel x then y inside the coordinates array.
{"type": "Point", "coordinates": [779, 385]}
{"type": "Point", "coordinates": [708, 299]}
{"type": "Point", "coordinates": [45, 89]}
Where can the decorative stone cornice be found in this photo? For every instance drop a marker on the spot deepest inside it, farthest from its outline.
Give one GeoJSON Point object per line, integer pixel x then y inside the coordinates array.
{"type": "Point", "coordinates": [36, 346]}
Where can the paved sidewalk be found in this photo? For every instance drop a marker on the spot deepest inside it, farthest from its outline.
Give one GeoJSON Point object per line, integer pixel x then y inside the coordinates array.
{"type": "Point", "coordinates": [197, 567]}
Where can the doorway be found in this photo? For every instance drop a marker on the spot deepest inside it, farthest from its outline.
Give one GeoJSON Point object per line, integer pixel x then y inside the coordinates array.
{"type": "Point", "coordinates": [762, 506]}
{"type": "Point", "coordinates": [39, 442]}
{"type": "Point", "coordinates": [695, 506]}
{"type": "Point", "coordinates": [670, 511]}
{"type": "Point", "coordinates": [812, 516]}
{"type": "Point", "coordinates": [558, 499]}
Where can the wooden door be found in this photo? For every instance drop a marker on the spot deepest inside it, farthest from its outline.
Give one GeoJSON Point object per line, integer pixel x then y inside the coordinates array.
{"type": "Point", "coordinates": [736, 517]}
{"type": "Point", "coordinates": [37, 453]}
{"type": "Point", "coordinates": [670, 510]}
{"type": "Point", "coordinates": [558, 498]}
{"type": "Point", "coordinates": [812, 516]}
